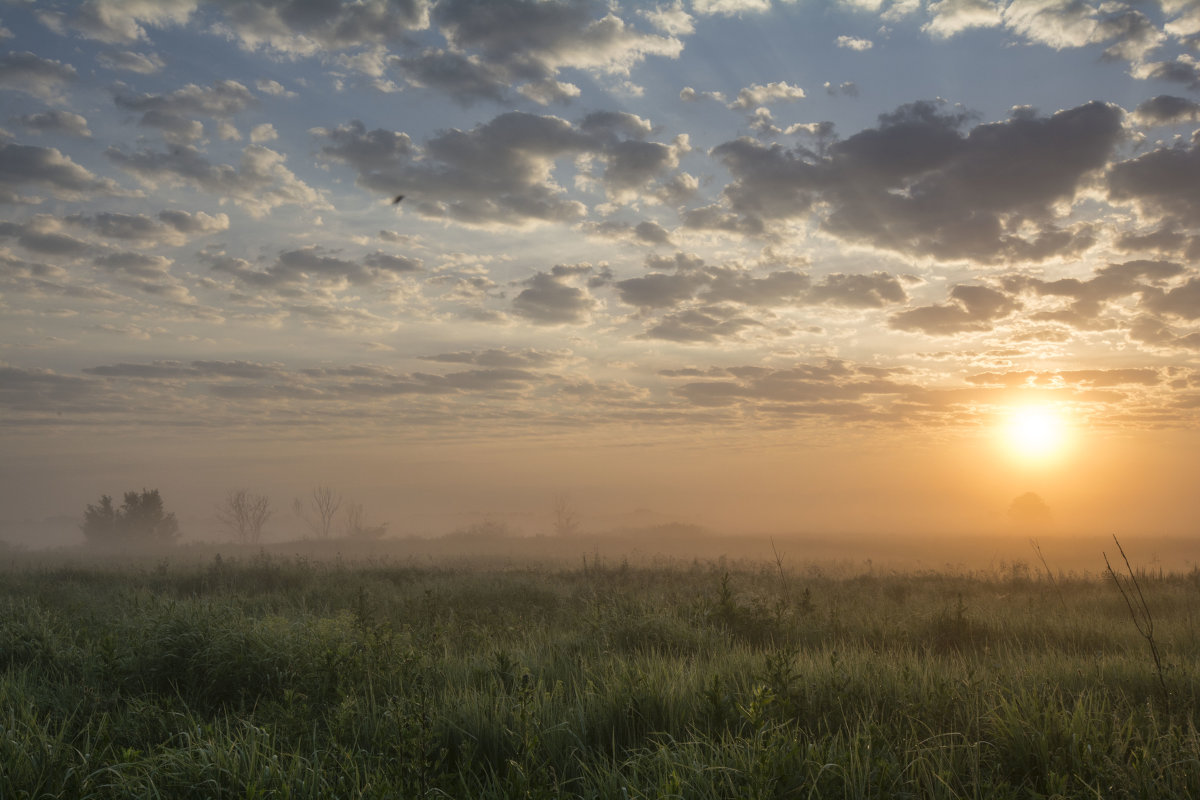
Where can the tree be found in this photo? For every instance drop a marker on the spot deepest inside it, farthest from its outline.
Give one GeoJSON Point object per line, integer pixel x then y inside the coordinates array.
{"type": "Point", "coordinates": [245, 514]}
{"type": "Point", "coordinates": [566, 522]}
{"type": "Point", "coordinates": [1030, 510]}
{"type": "Point", "coordinates": [317, 513]}
{"type": "Point", "coordinates": [141, 519]}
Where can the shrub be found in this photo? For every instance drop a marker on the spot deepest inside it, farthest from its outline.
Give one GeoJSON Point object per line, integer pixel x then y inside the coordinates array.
{"type": "Point", "coordinates": [140, 520]}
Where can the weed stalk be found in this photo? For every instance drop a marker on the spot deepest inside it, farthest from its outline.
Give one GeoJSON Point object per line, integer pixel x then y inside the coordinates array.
{"type": "Point", "coordinates": [1139, 611]}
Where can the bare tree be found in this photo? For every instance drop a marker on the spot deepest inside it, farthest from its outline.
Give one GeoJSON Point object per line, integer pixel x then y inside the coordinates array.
{"type": "Point", "coordinates": [566, 521]}
{"type": "Point", "coordinates": [318, 512]}
{"type": "Point", "coordinates": [245, 514]}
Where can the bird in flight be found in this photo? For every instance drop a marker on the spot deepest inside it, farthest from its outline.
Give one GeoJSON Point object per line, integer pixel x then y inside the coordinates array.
{"type": "Point", "coordinates": [399, 197]}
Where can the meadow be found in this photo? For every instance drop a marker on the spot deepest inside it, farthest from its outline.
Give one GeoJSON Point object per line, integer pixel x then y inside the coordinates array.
{"type": "Point", "coordinates": [267, 674]}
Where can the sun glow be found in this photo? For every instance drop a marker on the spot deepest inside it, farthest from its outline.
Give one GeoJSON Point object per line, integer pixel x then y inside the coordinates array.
{"type": "Point", "coordinates": [1035, 433]}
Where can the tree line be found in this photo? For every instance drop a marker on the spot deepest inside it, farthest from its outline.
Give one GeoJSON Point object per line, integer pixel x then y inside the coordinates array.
{"type": "Point", "coordinates": [142, 518]}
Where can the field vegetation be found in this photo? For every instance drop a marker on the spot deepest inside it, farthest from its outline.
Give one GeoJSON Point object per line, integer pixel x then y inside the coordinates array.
{"type": "Point", "coordinates": [260, 675]}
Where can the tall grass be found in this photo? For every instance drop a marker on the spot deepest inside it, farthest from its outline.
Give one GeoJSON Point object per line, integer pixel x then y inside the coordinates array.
{"type": "Point", "coordinates": [275, 677]}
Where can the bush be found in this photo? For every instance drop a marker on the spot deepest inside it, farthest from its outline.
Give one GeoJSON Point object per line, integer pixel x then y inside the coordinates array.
{"type": "Point", "coordinates": [140, 520]}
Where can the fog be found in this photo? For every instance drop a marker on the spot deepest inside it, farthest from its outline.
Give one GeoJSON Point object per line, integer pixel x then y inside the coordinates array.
{"type": "Point", "coordinates": [920, 501]}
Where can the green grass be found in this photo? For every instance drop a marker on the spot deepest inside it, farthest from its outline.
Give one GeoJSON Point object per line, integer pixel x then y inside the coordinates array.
{"type": "Point", "coordinates": [283, 677]}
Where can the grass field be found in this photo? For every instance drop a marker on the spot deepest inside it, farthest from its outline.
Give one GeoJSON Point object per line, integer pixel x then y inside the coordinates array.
{"type": "Point", "coordinates": [261, 675]}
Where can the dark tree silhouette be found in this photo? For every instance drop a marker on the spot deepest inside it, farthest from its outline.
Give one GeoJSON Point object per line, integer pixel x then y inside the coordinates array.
{"type": "Point", "coordinates": [140, 520]}
{"type": "Point", "coordinates": [566, 521]}
{"type": "Point", "coordinates": [1030, 509]}
{"type": "Point", "coordinates": [245, 514]}
{"type": "Point", "coordinates": [317, 513]}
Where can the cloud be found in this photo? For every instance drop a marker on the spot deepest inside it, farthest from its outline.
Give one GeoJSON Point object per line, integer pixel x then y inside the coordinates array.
{"type": "Point", "coordinates": [273, 88]}
{"type": "Point", "coordinates": [1153, 332]}
{"type": "Point", "coordinates": [388, 263]}
{"type": "Point", "coordinates": [151, 275]}
{"type": "Point", "coordinates": [292, 268]}
{"type": "Point", "coordinates": [951, 17]}
{"type": "Point", "coordinates": [711, 285]}
{"type": "Point", "coordinates": [707, 302]}
{"type": "Point", "coordinates": [1182, 302]}
{"type": "Point", "coordinates": [49, 169]}
{"type": "Point", "coordinates": [495, 173]}
{"type": "Point", "coordinates": [135, 265]}
{"type": "Point", "coordinates": [761, 94]}
{"type": "Point", "coordinates": [550, 298]}
{"type": "Point", "coordinates": [245, 370]}
{"type": "Point", "coordinates": [1090, 298]}
{"type": "Point", "coordinates": [1166, 109]}
{"type": "Point", "coordinates": [52, 122]}
{"type": "Point", "coordinates": [259, 184]}
{"type": "Point", "coordinates": [858, 291]}
{"type": "Point", "coordinates": [309, 275]}
{"type": "Point", "coordinates": [171, 113]}
{"type": "Point", "coordinates": [730, 8]}
{"type": "Point", "coordinates": [206, 385]}
{"type": "Point", "coordinates": [1164, 182]}
{"type": "Point", "coordinates": [465, 78]}
{"type": "Point", "coordinates": [263, 133]}
{"type": "Point", "coordinates": [918, 185]}
{"type": "Point", "coordinates": [660, 290]}
{"type": "Point", "coordinates": [42, 235]}
{"type": "Point", "coordinates": [847, 88]}
{"type": "Point", "coordinates": [1056, 23]}
{"type": "Point", "coordinates": [1184, 69]}
{"type": "Point", "coordinates": [23, 389]}
{"type": "Point", "coordinates": [690, 95]}
{"type": "Point", "coordinates": [1127, 33]}
{"type": "Point", "coordinates": [632, 164]}
{"type": "Point", "coordinates": [169, 227]}
{"type": "Point", "coordinates": [309, 29]}
{"type": "Point", "coordinates": [833, 389]}
{"type": "Point", "coordinates": [490, 49]}
{"type": "Point", "coordinates": [971, 308]}
{"type": "Point", "coordinates": [549, 91]}
{"type": "Point", "coordinates": [534, 40]}
{"type": "Point", "coordinates": [499, 358]}
{"type": "Point", "coordinates": [120, 21]}
{"type": "Point", "coordinates": [777, 288]}
{"type": "Point", "coordinates": [1137, 376]}
{"type": "Point", "coordinates": [854, 43]}
{"type": "Point", "coordinates": [41, 77]}
{"type": "Point", "coordinates": [1165, 240]}
{"type": "Point", "coordinates": [1131, 35]}
{"type": "Point", "coordinates": [651, 232]}
{"type": "Point", "coordinates": [37, 280]}
{"type": "Point", "coordinates": [868, 6]}
{"type": "Point", "coordinates": [129, 61]}
{"type": "Point", "coordinates": [501, 172]}
{"type": "Point", "coordinates": [671, 19]}
{"type": "Point", "coordinates": [644, 232]}
{"type": "Point", "coordinates": [716, 218]}
{"type": "Point", "coordinates": [700, 326]}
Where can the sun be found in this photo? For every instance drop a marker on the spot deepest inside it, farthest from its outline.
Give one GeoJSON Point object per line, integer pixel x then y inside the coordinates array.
{"type": "Point", "coordinates": [1035, 433]}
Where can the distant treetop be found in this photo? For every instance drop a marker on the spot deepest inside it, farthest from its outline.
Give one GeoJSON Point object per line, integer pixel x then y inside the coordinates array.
{"type": "Point", "coordinates": [140, 520]}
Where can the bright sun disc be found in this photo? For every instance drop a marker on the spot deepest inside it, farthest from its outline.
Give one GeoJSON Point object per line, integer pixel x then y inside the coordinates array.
{"type": "Point", "coordinates": [1035, 432]}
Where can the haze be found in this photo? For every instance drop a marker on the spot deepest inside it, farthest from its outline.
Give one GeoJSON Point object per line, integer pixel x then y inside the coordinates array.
{"type": "Point", "coordinates": [865, 267]}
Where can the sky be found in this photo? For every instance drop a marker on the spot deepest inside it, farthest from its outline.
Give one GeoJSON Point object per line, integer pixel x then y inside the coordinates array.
{"type": "Point", "coordinates": [752, 264]}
